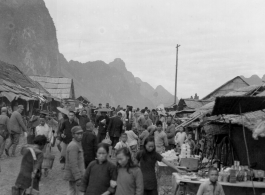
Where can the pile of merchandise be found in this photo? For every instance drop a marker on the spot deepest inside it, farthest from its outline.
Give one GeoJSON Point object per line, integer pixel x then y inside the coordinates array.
{"type": "Point", "coordinates": [171, 156]}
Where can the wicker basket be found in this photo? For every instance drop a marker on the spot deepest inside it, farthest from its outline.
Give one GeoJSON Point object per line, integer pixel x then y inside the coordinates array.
{"type": "Point", "coordinates": [48, 161]}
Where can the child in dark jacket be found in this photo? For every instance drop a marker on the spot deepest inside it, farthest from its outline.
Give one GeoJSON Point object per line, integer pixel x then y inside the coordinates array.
{"type": "Point", "coordinates": [99, 174]}
{"type": "Point", "coordinates": [148, 158]}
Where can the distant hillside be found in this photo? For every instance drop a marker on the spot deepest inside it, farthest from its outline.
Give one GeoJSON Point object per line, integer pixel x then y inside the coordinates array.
{"type": "Point", "coordinates": [254, 80]}
{"type": "Point", "coordinates": [158, 96]}
{"type": "Point", "coordinates": [101, 83]}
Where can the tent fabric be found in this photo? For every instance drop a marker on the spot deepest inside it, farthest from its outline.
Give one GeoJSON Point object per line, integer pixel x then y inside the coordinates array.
{"type": "Point", "coordinates": [251, 119]}
{"type": "Point", "coordinates": [13, 91]}
{"type": "Point", "coordinates": [9, 95]}
{"type": "Point", "coordinates": [208, 108]}
{"type": "Point", "coordinates": [25, 98]}
{"type": "Point", "coordinates": [238, 104]}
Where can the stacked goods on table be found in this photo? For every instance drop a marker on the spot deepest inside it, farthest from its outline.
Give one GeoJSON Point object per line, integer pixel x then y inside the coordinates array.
{"type": "Point", "coordinates": [171, 156]}
{"type": "Point", "coordinates": [185, 151]}
{"type": "Point", "coordinates": [239, 173]}
{"type": "Point", "coordinates": [232, 176]}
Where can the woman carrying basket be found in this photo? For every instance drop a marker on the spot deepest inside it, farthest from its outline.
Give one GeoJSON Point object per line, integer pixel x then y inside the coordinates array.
{"type": "Point", "coordinates": [30, 171]}
{"type": "Point", "coordinates": [44, 129]}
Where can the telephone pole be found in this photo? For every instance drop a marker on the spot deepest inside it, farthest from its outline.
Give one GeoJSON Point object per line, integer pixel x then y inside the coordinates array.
{"type": "Point", "coordinates": [176, 78]}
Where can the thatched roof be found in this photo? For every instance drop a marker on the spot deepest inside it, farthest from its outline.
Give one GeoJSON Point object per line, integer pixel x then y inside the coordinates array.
{"type": "Point", "coordinates": [58, 87]}
{"type": "Point", "coordinates": [15, 84]}
{"type": "Point", "coordinates": [12, 74]}
{"type": "Point", "coordinates": [227, 87]}
{"type": "Point", "coordinates": [13, 91]}
{"type": "Point", "coordinates": [40, 90]}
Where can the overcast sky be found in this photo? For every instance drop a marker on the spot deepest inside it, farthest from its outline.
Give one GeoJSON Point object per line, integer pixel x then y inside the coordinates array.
{"type": "Point", "coordinates": [219, 39]}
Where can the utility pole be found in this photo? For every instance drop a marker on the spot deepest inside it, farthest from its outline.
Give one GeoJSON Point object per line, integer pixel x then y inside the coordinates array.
{"type": "Point", "coordinates": [176, 78]}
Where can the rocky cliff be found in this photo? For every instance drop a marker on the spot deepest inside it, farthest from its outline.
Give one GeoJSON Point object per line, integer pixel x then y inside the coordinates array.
{"type": "Point", "coordinates": [28, 37]}
{"type": "Point", "coordinates": [28, 40]}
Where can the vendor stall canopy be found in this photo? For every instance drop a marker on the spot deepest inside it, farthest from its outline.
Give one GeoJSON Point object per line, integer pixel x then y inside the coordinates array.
{"type": "Point", "coordinates": [253, 90]}
{"type": "Point", "coordinates": [238, 104]}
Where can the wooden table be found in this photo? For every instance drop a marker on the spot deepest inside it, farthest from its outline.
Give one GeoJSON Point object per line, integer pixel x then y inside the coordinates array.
{"type": "Point", "coordinates": [239, 188]}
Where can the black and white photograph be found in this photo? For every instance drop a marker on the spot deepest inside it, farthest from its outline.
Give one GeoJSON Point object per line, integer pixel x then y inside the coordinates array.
{"type": "Point", "coordinates": [132, 97]}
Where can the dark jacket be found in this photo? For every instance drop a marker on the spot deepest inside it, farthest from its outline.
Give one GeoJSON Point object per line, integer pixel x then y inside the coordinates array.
{"type": "Point", "coordinates": [115, 127]}
{"type": "Point", "coordinates": [24, 177]}
{"type": "Point", "coordinates": [83, 120]}
{"type": "Point", "coordinates": [66, 130]}
{"type": "Point", "coordinates": [16, 123]}
{"type": "Point", "coordinates": [102, 128]}
{"type": "Point", "coordinates": [97, 178]}
{"type": "Point", "coordinates": [89, 145]}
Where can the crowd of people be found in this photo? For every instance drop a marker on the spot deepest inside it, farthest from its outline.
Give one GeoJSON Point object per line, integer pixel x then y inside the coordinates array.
{"type": "Point", "coordinates": [133, 138]}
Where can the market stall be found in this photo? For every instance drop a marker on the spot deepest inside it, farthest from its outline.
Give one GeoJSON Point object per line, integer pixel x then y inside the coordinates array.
{"type": "Point", "coordinates": [228, 142]}
{"type": "Point", "coordinates": [189, 184]}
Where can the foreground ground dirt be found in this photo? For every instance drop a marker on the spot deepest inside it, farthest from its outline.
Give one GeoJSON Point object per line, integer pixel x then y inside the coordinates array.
{"type": "Point", "coordinates": [53, 184]}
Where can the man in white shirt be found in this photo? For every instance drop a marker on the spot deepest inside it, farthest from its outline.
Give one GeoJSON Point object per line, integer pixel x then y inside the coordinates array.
{"type": "Point", "coordinates": [180, 137]}
{"type": "Point", "coordinates": [43, 129]}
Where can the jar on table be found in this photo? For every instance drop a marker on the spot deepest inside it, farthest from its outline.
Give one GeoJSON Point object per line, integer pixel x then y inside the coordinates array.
{"type": "Point", "coordinates": [225, 177]}
{"type": "Point", "coordinates": [220, 177]}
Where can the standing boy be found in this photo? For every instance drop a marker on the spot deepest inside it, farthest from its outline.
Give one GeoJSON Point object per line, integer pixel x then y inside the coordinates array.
{"type": "Point", "coordinates": [211, 187]}
{"type": "Point", "coordinates": [123, 143]}
{"type": "Point", "coordinates": [180, 137]}
{"type": "Point", "coordinates": [143, 136]}
{"type": "Point", "coordinates": [190, 142]}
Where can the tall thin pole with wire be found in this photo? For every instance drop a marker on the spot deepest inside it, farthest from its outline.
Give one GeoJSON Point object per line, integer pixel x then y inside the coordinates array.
{"type": "Point", "coordinates": [176, 76]}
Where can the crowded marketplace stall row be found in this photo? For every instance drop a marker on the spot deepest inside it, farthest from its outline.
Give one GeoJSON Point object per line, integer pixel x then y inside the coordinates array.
{"type": "Point", "coordinates": [218, 140]}
{"type": "Point", "coordinates": [230, 134]}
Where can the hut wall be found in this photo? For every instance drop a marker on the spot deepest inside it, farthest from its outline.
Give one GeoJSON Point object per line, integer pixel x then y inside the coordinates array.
{"type": "Point", "coordinates": [255, 147]}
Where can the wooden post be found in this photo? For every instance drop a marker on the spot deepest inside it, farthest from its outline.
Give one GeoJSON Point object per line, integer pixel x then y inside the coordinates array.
{"type": "Point", "coordinates": [176, 76]}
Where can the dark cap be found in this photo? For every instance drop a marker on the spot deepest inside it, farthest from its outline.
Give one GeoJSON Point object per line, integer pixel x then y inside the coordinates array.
{"type": "Point", "coordinates": [76, 129]}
